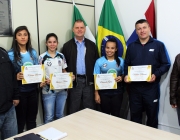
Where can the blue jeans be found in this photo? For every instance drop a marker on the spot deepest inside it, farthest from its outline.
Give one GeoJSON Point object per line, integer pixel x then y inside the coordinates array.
{"type": "Point", "coordinates": [8, 123]}
{"type": "Point", "coordinates": [54, 105]}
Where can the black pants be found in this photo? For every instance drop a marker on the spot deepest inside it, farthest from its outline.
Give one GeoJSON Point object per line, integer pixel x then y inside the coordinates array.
{"type": "Point", "coordinates": [178, 112]}
{"type": "Point", "coordinates": [111, 104]}
{"type": "Point", "coordinates": [26, 110]}
{"type": "Point", "coordinates": [82, 92]}
{"type": "Point", "coordinates": [145, 98]}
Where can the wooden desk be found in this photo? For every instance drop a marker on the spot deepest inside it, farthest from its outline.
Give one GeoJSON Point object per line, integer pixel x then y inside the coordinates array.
{"type": "Point", "coordinates": [92, 125]}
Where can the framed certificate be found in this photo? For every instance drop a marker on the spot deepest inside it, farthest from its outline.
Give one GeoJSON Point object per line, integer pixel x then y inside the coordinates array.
{"type": "Point", "coordinates": [139, 73]}
{"type": "Point", "coordinates": [105, 81]}
{"type": "Point", "coordinates": [33, 74]}
{"type": "Point", "coordinates": [61, 81]}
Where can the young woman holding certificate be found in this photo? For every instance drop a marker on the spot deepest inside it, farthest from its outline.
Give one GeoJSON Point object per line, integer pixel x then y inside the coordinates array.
{"type": "Point", "coordinates": [110, 99]}
{"type": "Point", "coordinates": [22, 54]}
{"type": "Point", "coordinates": [54, 62]}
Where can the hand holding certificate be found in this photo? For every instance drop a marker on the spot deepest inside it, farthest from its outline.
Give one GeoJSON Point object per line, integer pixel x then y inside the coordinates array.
{"type": "Point", "coordinates": [139, 73]}
{"type": "Point", "coordinates": [105, 81]}
{"type": "Point", "coordinates": [33, 74]}
{"type": "Point", "coordinates": [61, 81]}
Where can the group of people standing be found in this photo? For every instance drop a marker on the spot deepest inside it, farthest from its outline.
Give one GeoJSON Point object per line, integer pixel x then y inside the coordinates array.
{"type": "Point", "coordinates": [80, 56]}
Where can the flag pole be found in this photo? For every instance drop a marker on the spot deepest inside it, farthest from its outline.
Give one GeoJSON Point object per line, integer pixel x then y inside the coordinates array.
{"type": "Point", "coordinates": [73, 2]}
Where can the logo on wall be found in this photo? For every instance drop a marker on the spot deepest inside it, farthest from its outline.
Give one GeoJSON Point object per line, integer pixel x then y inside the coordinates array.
{"type": "Point", "coordinates": [119, 45]}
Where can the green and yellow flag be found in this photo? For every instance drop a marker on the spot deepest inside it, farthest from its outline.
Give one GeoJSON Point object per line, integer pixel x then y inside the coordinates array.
{"type": "Point", "coordinates": [109, 27]}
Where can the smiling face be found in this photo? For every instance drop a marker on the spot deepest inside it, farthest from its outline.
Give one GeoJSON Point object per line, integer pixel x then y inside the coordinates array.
{"type": "Point", "coordinates": [143, 30]}
{"type": "Point", "coordinates": [22, 37]}
{"type": "Point", "coordinates": [52, 44]}
{"type": "Point", "coordinates": [110, 49]}
{"type": "Point", "coordinates": [79, 29]}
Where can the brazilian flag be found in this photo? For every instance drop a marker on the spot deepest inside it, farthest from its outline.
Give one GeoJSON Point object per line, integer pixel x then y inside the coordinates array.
{"type": "Point", "coordinates": [109, 27]}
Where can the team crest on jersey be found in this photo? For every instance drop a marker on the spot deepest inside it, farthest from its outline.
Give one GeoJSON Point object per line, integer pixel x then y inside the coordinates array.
{"type": "Point", "coordinates": [111, 71]}
{"type": "Point", "coordinates": [49, 63]}
{"type": "Point", "coordinates": [47, 59]}
{"type": "Point", "coordinates": [28, 64]}
{"type": "Point", "coordinates": [104, 65]}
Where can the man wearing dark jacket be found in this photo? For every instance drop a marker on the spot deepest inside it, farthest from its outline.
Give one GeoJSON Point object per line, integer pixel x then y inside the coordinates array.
{"type": "Point", "coordinates": [175, 86]}
{"type": "Point", "coordinates": [9, 97]}
{"type": "Point", "coordinates": [145, 95]}
{"type": "Point", "coordinates": [81, 55]}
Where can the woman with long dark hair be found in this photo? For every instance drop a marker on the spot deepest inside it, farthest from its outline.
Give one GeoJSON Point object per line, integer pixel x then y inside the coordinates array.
{"type": "Point", "coordinates": [110, 99]}
{"type": "Point", "coordinates": [22, 54]}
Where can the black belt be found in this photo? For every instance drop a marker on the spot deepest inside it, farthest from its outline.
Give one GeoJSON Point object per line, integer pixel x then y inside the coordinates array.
{"type": "Point", "coordinates": [81, 76]}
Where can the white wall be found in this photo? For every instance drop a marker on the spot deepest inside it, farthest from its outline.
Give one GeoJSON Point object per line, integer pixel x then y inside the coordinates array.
{"type": "Point", "coordinates": [168, 31]}
{"type": "Point", "coordinates": [56, 17]}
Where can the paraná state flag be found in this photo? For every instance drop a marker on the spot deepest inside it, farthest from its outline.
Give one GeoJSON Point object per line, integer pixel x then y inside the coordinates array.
{"type": "Point", "coordinates": [109, 27]}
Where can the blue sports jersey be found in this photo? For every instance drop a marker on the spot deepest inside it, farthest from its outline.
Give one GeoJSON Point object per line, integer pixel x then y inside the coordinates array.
{"type": "Point", "coordinates": [103, 65]}
{"type": "Point", "coordinates": [52, 65]}
{"type": "Point", "coordinates": [26, 60]}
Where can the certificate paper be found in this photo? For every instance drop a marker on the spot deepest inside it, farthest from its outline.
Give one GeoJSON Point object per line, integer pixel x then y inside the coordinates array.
{"type": "Point", "coordinates": [139, 73]}
{"type": "Point", "coordinates": [61, 80]}
{"type": "Point", "coordinates": [105, 81]}
{"type": "Point", "coordinates": [33, 74]}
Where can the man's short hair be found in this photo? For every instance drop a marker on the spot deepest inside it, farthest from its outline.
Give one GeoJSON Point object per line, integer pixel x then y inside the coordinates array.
{"type": "Point", "coordinates": [141, 21]}
{"type": "Point", "coordinates": [78, 20]}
